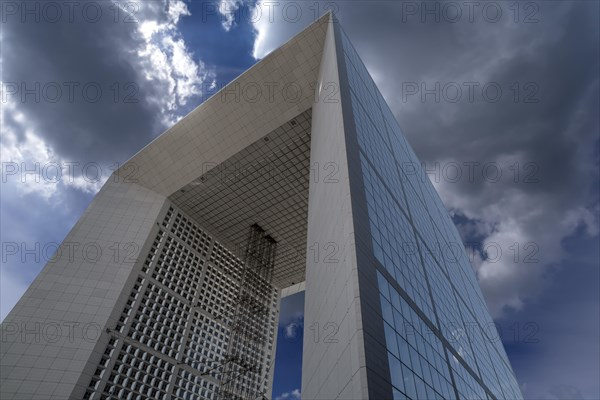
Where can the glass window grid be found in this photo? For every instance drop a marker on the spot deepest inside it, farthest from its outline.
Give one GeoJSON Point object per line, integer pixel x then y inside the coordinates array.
{"type": "Point", "coordinates": [423, 372]}
{"type": "Point", "coordinates": [467, 387]}
{"type": "Point", "coordinates": [451, 323]}
{"type": "Point", "coordinates": [394, 242]}
{"type": "Point", "coordinates": [424, 206]}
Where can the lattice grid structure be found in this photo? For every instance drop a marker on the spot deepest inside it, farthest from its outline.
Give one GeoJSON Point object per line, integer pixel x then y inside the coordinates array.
{"type": "Point", "coordinates": [198, 322]}
{"type": "Point", "coordinates": [244, 375]}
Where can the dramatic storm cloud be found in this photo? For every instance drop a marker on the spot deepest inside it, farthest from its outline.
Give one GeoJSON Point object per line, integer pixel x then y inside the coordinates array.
{"type": "Point", "coordinates": [501, 105]}
{"type": "Point", "coordinates": [518, 156]}
{"type": "Point", "coordinates": [99, 81]}
{"type": "Point", "coordinates": [499, 100]}
{"type": "Point", "coordinates": [84, 86]}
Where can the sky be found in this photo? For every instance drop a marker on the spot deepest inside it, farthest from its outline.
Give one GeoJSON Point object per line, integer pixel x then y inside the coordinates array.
{"type": "Point", "coordinates": [499, 100]}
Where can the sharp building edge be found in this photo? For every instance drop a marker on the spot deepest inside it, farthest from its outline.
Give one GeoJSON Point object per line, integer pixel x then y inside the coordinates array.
{"type": "Point", "coordinates": [169, 285]}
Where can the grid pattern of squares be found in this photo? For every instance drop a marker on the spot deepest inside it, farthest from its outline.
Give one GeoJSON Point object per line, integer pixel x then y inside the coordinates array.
{"type": "Point", "coordinates": [199, 355]}
{"type": "Point", "coordinates": [226, 260]}
{"type": "Point", "coordinates": [191, 386]}
{"type": "Point", "coordinates": [265, 183]}
{"type": "Point", "coordinates": [393, 242]}
{"type": "Point", "coordinates": [171, 338]}
{"type": "Point", "coordinates": [186, 231]}
{"type": "Point", "coordinates": [179, 269]}
{"type": "Point", "coordinates": [160, 321]}
{"type": "Point", "coordinates": [137, 374]}
{"type": "Point", "coordinates": [218, 293]}
{"type": "Point", "coordinates": [417, 358]}
{"type": "Point", "coordinates": [411, 236]}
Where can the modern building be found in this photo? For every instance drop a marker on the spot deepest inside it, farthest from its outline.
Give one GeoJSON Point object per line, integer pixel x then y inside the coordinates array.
{"type": "Point", "coordinates": [296, 176]}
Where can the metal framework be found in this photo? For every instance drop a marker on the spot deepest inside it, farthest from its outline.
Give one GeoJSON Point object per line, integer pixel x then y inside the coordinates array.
{"type": "Point", "coordinates": [242, 373]}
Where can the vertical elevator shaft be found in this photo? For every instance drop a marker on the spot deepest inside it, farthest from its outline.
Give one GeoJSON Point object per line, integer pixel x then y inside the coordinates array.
{"type": "Point", "coordinates": [242, 374]}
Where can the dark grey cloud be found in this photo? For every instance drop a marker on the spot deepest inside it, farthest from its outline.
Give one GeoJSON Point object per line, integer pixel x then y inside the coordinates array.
{"type": "Point", "coordinates": [551, 129]}
{"type": "Point", "coordinates": [97, 45]}
{"type": "Point", "coordinates": [552, 58]}
{"type": "Point", "coordinates": [548, 54]}
{"type": "Point", "coordinates": [562, 361]}
{"type": "Point", "coordinates": [51, 52]}
{"type": "Point", "coordinates": [557, 135]}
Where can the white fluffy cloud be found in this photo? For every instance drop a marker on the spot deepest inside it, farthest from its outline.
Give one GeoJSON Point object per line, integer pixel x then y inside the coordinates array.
{"type": "Point", "coordinates": [294, 329]}
{"type": "Point", "coordinates": [228, 9]}
{"type": "Point", "coordinates": [164, 57]}
{"type": "Point", "coordinates": [167, 76]}
{"type": "Point", "coordinates": [276, 22]}
{"type": "Point", "coordinates": [55, 154]}
{"type": "Point", "coordinates": [33, 167]}
{"type": "Point", "coordinates": [263, 42]}
{"type": "Point", "coordinates": [523, 240]}
{"type": "Point", "coordinates": [293, 395]}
